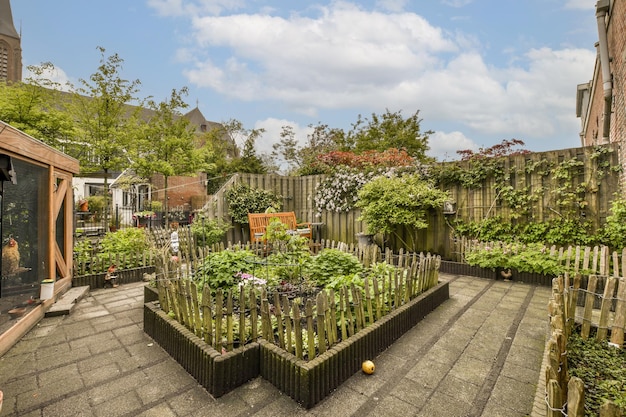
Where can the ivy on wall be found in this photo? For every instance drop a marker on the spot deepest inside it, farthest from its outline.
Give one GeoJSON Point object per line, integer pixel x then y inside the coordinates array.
{"type": "Point", "coordinates": [563, 187]}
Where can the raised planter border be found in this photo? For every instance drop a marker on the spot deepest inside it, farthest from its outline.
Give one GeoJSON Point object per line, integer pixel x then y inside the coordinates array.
{"type": "Point", "coordinates": [306, 382]}
{"type": "Point", "coordinates": [310, 382]}
{"type": "Point", "coordinates": [218, 373]}
{"type": "Point", "coordinates": [124, 276]}
{"type": "Point", "coordinates": [150, 294]}
{"type": "Point", "coordinates": [460, 268]}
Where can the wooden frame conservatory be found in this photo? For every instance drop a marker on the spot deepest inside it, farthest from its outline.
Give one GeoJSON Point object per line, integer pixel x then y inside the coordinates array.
{"type": "Point", "coordinates": [36, 228]}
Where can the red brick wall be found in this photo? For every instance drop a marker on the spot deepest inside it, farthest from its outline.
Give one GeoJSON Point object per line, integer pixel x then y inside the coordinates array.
{"type": "Point", "coordinates": [617, 52]}
{"type": "Point", "coordinates": [616, 36]}
{"type": "Point", "coordinates": [183, 192]}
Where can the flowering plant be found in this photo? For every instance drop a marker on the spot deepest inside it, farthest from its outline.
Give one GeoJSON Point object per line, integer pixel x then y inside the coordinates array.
{"type": "Point", "coordinates": [249, 280]}
{"type": "Point", "coordinates": [338, 191]}
{"type": "Point", "coordinates": [146, 214]}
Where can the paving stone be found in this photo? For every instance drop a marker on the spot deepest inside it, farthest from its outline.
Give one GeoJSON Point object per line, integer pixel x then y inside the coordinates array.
{"type": "Point", "coordinates": [440, 367]}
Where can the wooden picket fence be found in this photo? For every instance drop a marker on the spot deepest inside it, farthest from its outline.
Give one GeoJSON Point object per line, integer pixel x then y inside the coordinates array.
{"type": "Point", "coordinates": [597, 260]}
{"type": "Point", "coordinates": [581, 301]}
{"type": "Point", "coordinates": [304, 327]}
{"type": "Point", "coordinates": [96, 264]}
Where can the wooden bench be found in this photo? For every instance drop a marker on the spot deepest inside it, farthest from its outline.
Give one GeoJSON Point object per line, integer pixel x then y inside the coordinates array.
{"type": "Point", "coordinates": [259, 221]}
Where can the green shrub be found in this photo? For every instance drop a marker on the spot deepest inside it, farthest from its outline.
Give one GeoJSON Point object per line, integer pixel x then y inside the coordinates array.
{"type": "Point", "coordinates": [614, 232]}
{"type": "Point", "coordinates": [96, 205]}
{"type": "Point", "coordinates": [332, 263]}
{"type": "Point", "coordinates": [531, 257]}
{"type": "Point", "coordinates": [602, 369]}
{"type": "Point", "coordinates": [220, 269]}
{"type": "Point", "coordinates": [124, 244]}
{"type": "Point", "coordinates": [208, 232]}
{"type": "Point", "coordinates": [243, 200]}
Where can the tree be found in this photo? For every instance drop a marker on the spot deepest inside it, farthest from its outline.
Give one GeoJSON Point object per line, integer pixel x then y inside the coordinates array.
{"type": "Point", "coordinates": [100, 108]}
{"type": "Point", "coordinates": [166, 144]}
{"type": "Point", "coordinates": [387, 131]}
{"type": "Point", "coordinates": [34, 107]}
{"type": "Point", "coordinates": [389, 202]}
{"type": "Point", "coordinates": [249, 161]}
{"type": "Point", "coordinates": [301, 160]}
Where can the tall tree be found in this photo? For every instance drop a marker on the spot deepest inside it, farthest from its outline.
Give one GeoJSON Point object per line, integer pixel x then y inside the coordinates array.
{"type": "Point", "coordinates": [100, 107]}
{"type": "Point", "coordinates": [166, 144]}
{"type": "Point", "coordinates": [248, 161]}
{"type": "Point", "coordinates": [390, 130]}
{"type": "Point", "coordinates": [300, 158]}
{"type": "Point", "coordinates": [34, 107]}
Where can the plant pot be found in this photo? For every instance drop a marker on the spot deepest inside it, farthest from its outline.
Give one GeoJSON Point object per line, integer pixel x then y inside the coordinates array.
{"type": "Point", "coordinates": [83, 206]}
{"type": "Point", "coordinates": [505, 274]}
{"type": "Point", "coordinates": [17, 312]}
{"type": "Point", "coordinates": [365, 239]}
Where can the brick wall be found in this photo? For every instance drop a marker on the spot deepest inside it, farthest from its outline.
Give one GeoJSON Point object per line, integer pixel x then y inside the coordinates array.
{"type": "Point", "coordinates": [616, 36]}
{"type": "Point", "coordinates": [183, 192]}
{"type": "Point", "coordinates": [617, 52]}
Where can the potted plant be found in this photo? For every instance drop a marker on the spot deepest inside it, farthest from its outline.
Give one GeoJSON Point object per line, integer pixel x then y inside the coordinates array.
{"type": "Point", "coordinates": [82, 204]}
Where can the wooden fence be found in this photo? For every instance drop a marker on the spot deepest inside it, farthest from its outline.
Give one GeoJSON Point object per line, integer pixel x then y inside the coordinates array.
{"type": "Point", "coordinates": [534, 178]}
{"type": "Point", "coordinates": [305, 327]}
{"type": "Point", "coordinates": [573, 302]}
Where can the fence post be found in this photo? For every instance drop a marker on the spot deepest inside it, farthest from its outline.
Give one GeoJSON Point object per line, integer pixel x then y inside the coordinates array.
{"type": "Point", "coordinates": [575, 397]}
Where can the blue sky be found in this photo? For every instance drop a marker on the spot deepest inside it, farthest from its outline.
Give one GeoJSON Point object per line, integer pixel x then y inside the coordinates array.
{"type": "Point", "coordinates": [479, 71]}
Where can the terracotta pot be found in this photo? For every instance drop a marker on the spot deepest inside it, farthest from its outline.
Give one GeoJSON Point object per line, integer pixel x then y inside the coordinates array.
{"type": "Point", "coordinates": [83, 206]}
{"type": "Point", "coordinates": [17, 312]}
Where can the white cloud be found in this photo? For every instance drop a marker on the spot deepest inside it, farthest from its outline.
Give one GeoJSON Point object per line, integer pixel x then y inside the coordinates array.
{"type": "Point", "coordinates": [332, 61]}
{"type": "Point", "coordinates": [443, 146]}
{"type": "Point", "coordinates": [55, 74]}
{"type": "Point", "coordinates": [273, 128]}
{"type": "Point", "coordinates": [345, 57]}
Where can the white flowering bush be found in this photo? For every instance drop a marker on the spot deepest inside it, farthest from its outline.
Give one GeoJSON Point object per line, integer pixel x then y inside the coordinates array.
{"type": "Point", "coordinates": [338, 191]}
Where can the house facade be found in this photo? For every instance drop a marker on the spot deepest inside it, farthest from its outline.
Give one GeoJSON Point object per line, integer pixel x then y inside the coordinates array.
{"type": "Point", "coordinates": [601, 102]}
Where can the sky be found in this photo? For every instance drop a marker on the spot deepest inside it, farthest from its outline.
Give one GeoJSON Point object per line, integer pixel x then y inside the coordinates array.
{"type": "Point", "coordinates": [478, 71]}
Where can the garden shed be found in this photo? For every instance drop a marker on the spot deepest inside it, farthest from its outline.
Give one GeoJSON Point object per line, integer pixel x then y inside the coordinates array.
{"type": "Point", "coordinates": [36, 227]}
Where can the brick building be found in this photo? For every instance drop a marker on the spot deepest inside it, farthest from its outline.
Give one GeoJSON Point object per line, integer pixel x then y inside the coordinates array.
{"type": "Point", "coordinates": [601, 103]}
{"type": "Point", "coordinates": [10, 46]}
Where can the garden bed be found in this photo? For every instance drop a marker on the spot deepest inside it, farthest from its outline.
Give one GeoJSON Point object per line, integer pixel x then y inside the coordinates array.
{"type": "Point", "coordinates": [460, 268]}
{"type": "Point", "coordinates": [307, 382]}
{"type": "Point", "coordinates": [124, 276]}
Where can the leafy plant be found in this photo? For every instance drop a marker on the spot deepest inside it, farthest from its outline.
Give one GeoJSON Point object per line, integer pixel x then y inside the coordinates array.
{"type": "Point", "coordinates": [388, 202]}
{"type": "Point", "coordinates": [207, 232]}
{"type": "Point", "coordinates": [558, 231]}
{"type": "Point", "coordinates": [220, 269]}
{"type": "Point", "coordinates": [614, 231]}
{"type": "Point", "coordinates": [83, 250]}
{"type": "Point", "coordinates": [333, 263]}
{"type": "Point", "coordinates": [532, 257]}
{"type": "Point", "coordinates": [156, 205]}
{"type": "Point", "coordinates": [602, 369]}
{"type": "Point", "coordinates": [124, 244]}
{"type": "Point", "coordinates": [337, 282]}
{"type": "Point", "coordinates": [242, 199]}
{"type": "Point", "coordinates": [96, 205]}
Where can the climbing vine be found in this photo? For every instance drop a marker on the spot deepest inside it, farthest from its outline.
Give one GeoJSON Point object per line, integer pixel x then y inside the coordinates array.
{"type": "Point", "coordinates": [558, 189]}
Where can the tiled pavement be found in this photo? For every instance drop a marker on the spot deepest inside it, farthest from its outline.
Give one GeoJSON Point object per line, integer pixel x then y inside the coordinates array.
{"type": "Point", "coordinates": [478, 354]}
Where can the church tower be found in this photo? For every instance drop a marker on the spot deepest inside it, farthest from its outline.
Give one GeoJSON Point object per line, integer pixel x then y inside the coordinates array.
{"type": "Point", "coordinates": [10, 46]}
